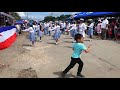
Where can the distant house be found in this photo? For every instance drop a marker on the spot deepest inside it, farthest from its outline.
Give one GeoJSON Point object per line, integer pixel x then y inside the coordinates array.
{"type": "Point", "coordinates": [6, 19]}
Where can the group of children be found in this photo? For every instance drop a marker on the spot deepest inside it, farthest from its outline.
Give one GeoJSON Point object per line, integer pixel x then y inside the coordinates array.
{"type": "Point", "coordinates": [80, 28]}
{"type": "Point", "coordinates": [58, 28]}
{"type": "Point", "coordinates": [76, 31]}
{"type": "Point", "coordinates": [35, 31]}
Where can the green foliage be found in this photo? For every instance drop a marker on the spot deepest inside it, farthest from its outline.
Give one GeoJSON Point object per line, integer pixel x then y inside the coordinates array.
{"type": "Point", "coordinates": [15, 15]}
{"type": "Point", "coordinates": [51, 18]}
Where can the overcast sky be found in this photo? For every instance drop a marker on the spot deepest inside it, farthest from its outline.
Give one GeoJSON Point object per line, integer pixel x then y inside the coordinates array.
{"type": "Point", "coordinates": [41, 15]}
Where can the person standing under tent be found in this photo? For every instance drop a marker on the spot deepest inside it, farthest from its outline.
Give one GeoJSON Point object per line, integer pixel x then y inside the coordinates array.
{"type": "Point", "coordinates": [99, 28]}
{"type": "Point", "coordinates": [90, 29]}
{"type": "Point", "coordinates": [82, 27]}
{"type": "Point", "coordinates": [116, 29]}
{"type": "Point", "coordinates": [104, 26]}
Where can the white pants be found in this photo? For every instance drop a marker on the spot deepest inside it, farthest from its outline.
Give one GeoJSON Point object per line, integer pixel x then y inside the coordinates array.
{"type": "Point", "coordinates": [83, 33]}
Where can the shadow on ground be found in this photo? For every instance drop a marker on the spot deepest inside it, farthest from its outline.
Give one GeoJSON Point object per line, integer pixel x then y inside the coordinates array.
{"type": "Point", "coordinates": [2, 66]}
{"type": "Point", "coordinates": [26, 45]}
{"type": "Point", "coordinates": [66, 38]}
{"type": "Point", "coordinates": [68, 41]}
{"type": "Point", "coordinates": [87, 40]}
{"type": "Point", "coordinates": [118, 42]}
{"type": "Point", "coordinates": [68, 46]}
{"type": "Point", "coordinates": [27, 36]}
{"type": "Point", "coordinates": [51, 43]}
{"type": "Point", "coordinates": [52, 39]}
{"type": "Point", "coordinates": [67, 75]}
{"type": "Point", "coordinates": [27, 73]}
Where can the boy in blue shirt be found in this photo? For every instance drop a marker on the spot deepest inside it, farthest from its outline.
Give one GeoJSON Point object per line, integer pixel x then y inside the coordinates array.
{"type": "Point", "coordinates": [78, 47]}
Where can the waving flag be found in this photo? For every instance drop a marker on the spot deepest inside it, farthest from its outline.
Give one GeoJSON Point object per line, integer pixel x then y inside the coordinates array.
{"type": "Point", "coordinates": [7, 36]}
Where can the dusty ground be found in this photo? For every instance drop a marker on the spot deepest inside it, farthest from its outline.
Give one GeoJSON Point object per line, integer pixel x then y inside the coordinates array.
{"type": "Point", "coordinates": [47, 60]}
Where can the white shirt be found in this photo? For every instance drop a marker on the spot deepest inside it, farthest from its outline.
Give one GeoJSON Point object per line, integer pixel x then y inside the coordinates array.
{"type": "Point", "coordinates": [34, 27]}
{"type": "Point", "coordinates": [82, 27]}
{"type": "Point", "coordinates": [37, 27]}
{"type": "Point", "coordinates": [73, 27]}
{"type": "Point", "coordinates": [18, 27]}
{"type": "Point", "coordinates": [104, 23]}
{"type": "Point", "coordinates": [48, 24]}
{"type": "Point", "coordinates": [64, 25]}
{"type": "Point", "coordinates": [57, 28]}
{"type": "Point", "coordinates": [54, 29]}
{"type": "Point", "coordinates": [50, 28]}
{"type": "Point", "coordinates": [45, 25]}
{"type": "Point", "coordinates": [31, 30]}
{"type": "Point", "coordinates": [91, 25]}
{"type": "Point", "coordinates": [67, 26]}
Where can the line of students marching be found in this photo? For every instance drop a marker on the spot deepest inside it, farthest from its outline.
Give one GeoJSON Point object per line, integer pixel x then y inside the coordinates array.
{"type": "Point", "coordinates": [48, 28]}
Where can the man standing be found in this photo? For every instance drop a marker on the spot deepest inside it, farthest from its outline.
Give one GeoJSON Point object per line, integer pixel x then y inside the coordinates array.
{"type": "Point", "coordinates": [82, 27]}
{"type": "Point", "coordinates": [104, 27]}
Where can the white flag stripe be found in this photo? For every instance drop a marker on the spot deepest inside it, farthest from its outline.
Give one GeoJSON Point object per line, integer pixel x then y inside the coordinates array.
{"type": "Point", "coordinates": [7, 34]}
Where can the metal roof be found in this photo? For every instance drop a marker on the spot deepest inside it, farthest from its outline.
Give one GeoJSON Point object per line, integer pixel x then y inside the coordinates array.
{"type": "Point", "coordinates": [5, 14]}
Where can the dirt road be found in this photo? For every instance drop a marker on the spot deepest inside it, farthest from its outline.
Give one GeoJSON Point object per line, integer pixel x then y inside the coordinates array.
{"type": "Point", "coordinates": [47, 60]}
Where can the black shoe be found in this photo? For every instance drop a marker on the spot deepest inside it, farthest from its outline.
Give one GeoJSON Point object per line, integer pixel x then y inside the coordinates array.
{"type": "Point", "coordinates": [80, 76]}
{"type": "Point", "coordinates": [63, 75]}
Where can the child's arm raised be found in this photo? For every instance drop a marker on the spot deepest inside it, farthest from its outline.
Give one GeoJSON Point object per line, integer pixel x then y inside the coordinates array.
{"type": "Point", "coordinates": [88, 49]}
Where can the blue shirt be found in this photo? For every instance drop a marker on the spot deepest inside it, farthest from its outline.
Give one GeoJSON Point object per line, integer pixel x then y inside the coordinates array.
{"type": "Point", "coordinates": [78, 48]}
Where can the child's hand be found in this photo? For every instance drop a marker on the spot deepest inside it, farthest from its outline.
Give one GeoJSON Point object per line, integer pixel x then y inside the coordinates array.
{"type": "Point", "coordinates": [90, 46]}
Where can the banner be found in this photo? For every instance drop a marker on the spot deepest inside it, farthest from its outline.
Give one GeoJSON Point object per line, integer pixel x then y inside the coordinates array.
{"type": "Point", "coordinates": [7, 36]}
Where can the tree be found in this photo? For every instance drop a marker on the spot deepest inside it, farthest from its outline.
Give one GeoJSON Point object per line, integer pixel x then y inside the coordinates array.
{"type": "Point", "coordinates": [15, 15]}
{"type": "Point", "coordinates": [61, 17]}
{"type": "Point", "coordinates": [49, 18]}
